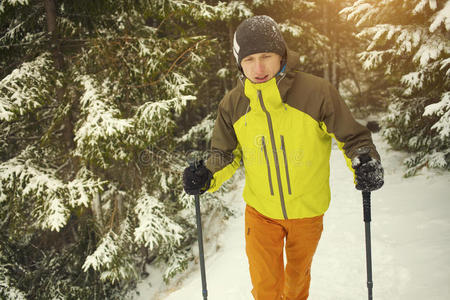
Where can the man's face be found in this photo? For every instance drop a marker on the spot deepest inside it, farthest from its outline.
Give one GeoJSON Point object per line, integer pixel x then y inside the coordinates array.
{"type": "Point", "coordinates": [261, 67]}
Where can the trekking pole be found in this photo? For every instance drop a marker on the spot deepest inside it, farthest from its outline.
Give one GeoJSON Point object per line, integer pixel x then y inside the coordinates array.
{"type": "Point", "coordinates": [364, 158]}
{"type": "Point", "coordinates": [193, 164]}
{"type": "Point", "coordinates": [367, 219]}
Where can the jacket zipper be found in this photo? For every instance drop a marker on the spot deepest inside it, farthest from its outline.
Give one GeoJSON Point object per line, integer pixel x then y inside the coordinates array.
{"type": "Point", "coordinates": [283, 148]}
{"type": "Point", "coordinates": [275, 155]}
{"type": "Point", "coordinates": [268, 165]}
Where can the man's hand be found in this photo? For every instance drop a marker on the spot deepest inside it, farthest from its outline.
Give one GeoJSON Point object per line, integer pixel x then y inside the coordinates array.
{"type": "Point", "coordinates": [196, 180]}
{"type": "Point", "coordinates": [369, 173]}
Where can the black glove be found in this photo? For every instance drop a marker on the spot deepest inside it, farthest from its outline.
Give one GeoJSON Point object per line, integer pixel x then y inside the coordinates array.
{"type": "Point", "coordinates": [196, 180]}
{"type": "Point", "coordinates": [368, 172]}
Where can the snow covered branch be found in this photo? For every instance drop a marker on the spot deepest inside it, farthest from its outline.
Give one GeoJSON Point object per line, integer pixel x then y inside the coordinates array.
{"type": "Point", "coordinates": [26, 88]}
{"type": "Point", "coordinates": [52, 197]}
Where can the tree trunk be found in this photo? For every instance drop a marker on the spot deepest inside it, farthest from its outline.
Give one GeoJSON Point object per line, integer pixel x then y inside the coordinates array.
{"type": "Point", "coordinates": [335, 44]}
{"type": "Point", "coordinates": [333, 65]}
{"type": "Point", "coordinates": [58, 57]}
{"type": "Point", "coordinates": [50, 11]}
{"type": "Point", "coordinates": [335, 59]}
{"type": "Point", "coordinates": [326, 59]}
{"type": "Point", "coordinates": [97, 210]}
{"type": "Point", "coordinates": [231, 37]}
{"type": "Point", "coordinates": [228, 82]}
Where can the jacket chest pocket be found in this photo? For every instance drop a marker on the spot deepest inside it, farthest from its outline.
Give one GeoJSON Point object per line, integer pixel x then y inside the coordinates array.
{"type": "Point", "coordinates": [266, 157]}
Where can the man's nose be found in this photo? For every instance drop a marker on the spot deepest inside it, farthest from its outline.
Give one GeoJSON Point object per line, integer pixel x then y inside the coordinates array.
{"type": "Point", "coordinates": [259, 66]}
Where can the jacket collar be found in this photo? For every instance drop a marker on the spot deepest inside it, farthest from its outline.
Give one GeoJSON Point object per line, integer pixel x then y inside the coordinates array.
{"type": "Point", "coordinates": [267, 92]}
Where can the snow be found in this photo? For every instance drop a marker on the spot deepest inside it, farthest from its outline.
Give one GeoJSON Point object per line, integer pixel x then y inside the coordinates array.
{"type": "Point", "coordinates": [12, 3]}
{"type": "Point", "coordinates": [8, 288]}
{"type": "Point", "coordinates": [410, 242]}
{"type": "Point", "coordinates": [442, 17]}
{"type": "Point", "coordinates": [101, 120]}
{"type": "Point", "coordinates": [442, 109]}
{"type": "Point", "coordinates": [433, 4]}
{"type": "Point", "coordinates": [371, 59]}
{"type": "Point", "coordinates": [50, 195]}
{"type": "Point", "coordinates": [431, 49]}
{"type": "Point", "coordinates": [422, 5]}
{"type": "Point", "coordinates": [292, 29]}
{"type": "Point", "coordinates": [154, 226]}
{"type": "Point", "coordinates": [103, 255]}
{"type": "Point", "coordinates": [101, 115]}
{"type": "Point", "coordinates": [205, 128]}
{"type": "Point", "coordinates": [16, 2]}
{"type": "Point", "coordinates": [232, 9]}
{"type": "Point", "coordinates": [16, 96]}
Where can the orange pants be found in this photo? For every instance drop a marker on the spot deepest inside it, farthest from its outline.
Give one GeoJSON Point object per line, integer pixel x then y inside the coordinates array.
{"type": "Point", "coordinates": [264, 239]}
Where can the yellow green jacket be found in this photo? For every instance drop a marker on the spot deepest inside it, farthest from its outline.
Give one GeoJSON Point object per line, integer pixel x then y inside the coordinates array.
{"type": "Point", "coordinates": [281, 130]}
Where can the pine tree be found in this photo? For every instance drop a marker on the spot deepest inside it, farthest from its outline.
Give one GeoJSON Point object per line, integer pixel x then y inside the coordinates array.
{"type": "Point", "coordinates": [301, 28]}
{"type": "Point", "coordinates": [409, 41]}
{"type": "Point", "coordinates": [220, 74]}
{"type": "Point", "coordinates": [89, 181]}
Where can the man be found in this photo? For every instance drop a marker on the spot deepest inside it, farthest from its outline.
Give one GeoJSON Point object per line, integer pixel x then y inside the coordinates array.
{"type": "Point", "coordinates": [279, 122]}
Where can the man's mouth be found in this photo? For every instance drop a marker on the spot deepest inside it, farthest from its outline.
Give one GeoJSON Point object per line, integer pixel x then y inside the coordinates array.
{"type": "Point", "coordinates": [261, 78]}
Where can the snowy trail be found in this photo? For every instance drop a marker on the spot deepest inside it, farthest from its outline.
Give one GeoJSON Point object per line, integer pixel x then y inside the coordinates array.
{"type": "Point", "coordinates": [410, 243]}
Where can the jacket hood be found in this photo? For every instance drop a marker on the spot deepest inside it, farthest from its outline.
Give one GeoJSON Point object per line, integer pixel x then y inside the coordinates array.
{"type": "Point", "coordinates": [292, 61]}
{"type": "Point", "coordinates": [292, 67]}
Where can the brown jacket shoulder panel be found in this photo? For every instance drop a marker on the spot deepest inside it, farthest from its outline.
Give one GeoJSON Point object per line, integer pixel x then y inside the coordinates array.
{"type": "Point", "coordinates": [232, 106]}
{"type": "Point", "coordinates": [235, 104]}
{"type": "Point", "coordinates": [319, 99]}
{"type": "Point", "coordinates": [307, 94]}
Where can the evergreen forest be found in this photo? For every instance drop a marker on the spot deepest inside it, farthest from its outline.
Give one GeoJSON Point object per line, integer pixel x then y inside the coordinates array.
{"type": "Point", "coordinates": [102, 101]}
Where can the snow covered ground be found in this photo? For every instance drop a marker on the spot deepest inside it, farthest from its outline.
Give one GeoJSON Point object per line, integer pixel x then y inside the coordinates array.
{"type": "Point", "coordinates": [410, 243]}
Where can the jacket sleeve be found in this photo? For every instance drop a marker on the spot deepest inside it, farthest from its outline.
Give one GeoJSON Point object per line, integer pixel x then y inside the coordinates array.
{"type": "Point", "coordinates": [339, 123]}
{"type": "Point", "coordinates": [225, 154]}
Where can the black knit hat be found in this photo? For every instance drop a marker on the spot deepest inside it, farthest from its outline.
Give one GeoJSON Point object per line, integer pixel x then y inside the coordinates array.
{"type": "Point", "coordinates": [257, 34]}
